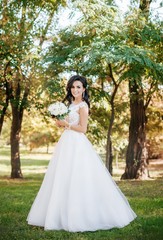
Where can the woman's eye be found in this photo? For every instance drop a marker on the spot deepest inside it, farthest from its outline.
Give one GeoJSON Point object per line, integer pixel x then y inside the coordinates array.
{"type": "Point", "coordinates": [78, 86]}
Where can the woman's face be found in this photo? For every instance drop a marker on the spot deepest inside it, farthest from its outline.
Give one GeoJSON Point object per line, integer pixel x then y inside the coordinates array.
{"type": "Point", "coordinates": [77, 90]}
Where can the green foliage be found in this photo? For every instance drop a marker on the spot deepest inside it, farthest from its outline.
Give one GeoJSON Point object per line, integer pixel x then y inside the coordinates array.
{"type": "Point", "coordinates": [22, 36]}
{"type": "Point", "coordinates": [98, 124]}
{"type": "Point", "coordinates": [131, 45]}
{"type": "Point", "coordinates": [39, 131]}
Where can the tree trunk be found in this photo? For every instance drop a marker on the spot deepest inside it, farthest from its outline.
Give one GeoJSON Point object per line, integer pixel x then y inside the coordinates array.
{"type": "Point", "coordinates": [2, 117]}
{"type": "Point", "coordinates": [7, 96]}
{"type": "Point", "coordinates": [47, 148]}
{"type": "Point", "coordinates": [17, 117]}
{"type": "Point", "coordinates": [5, 106]}
{"type": "Point", "coordinates": [137, 154]}
{"type": "Point", "coordinates": [136, 157]}
{"type": "Point", "coordinates": [145, 6]}
{"type": "Point", "coordinates": [109, 152]}
{"type": "Point", "coordinates": [15, 139]}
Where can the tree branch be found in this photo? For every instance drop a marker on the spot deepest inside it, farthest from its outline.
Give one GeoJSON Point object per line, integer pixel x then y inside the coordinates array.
{"type": "Point", "coordinates": [111, 74]}
{"type": "Point", "coordinates": [44, 32]}
{"type": "Point", "coordinates": [149, 95]}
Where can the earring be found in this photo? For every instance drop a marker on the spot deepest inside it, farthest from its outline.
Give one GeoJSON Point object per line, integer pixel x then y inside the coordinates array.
{"type": "Point", "coordinates": [83, 95]}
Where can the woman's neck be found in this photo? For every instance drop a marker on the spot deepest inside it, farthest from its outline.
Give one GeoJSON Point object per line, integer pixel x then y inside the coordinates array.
{"type": "Point", "coordinates": [76, 101]}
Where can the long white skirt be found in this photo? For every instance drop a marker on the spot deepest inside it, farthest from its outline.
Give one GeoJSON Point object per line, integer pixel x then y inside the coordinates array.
{"type": "Point", "coordinates": [78, 193]}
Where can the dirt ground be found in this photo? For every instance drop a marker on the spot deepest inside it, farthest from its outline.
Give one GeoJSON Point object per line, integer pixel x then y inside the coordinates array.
{"type": "Point", "coordinates": [156, 168]}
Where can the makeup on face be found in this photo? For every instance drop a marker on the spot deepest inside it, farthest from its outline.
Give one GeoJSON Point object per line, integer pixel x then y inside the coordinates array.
{"type": "Point", "coordinates": [77, 90]}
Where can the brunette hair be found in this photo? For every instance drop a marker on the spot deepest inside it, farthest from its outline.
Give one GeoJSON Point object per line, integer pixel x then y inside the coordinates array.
{"type": "Point", "coordinates": [69, 97]}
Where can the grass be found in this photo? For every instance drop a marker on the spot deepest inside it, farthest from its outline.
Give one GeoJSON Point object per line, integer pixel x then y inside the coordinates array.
{"type": "Point", "coordinates": [16, 197]}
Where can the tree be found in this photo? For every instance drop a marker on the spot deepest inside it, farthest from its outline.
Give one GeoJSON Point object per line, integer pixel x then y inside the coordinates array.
{"type": "Point", "coordinates": [108, 50]}
{"type": "Point", "coordinates": [23, 35]}
{"type": "Point", "coordinates": [143, 82]}
{"type": "Point", "coordinates": [38, 131]}
{"type": "Point", "coordinates": [85, 49]}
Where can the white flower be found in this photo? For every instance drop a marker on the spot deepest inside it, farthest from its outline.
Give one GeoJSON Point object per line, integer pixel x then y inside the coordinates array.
{"type": "Point", "coordinates": [58, 109]}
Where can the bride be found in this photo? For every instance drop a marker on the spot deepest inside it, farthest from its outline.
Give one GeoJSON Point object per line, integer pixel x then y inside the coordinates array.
{"type": "Point", "coordinates": [78, 193]}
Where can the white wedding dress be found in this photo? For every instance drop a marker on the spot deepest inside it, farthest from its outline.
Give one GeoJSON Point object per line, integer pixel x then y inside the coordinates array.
{"type": "Point", "coordinates": [78, 193]}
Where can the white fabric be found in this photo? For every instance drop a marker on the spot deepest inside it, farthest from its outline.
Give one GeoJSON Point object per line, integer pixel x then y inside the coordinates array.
{"type": "Point", "coordinates": [78, 193]}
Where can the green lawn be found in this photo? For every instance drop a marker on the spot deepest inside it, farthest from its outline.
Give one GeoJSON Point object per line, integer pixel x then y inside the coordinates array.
{"type": "Point", "coordinates": [16, 197]}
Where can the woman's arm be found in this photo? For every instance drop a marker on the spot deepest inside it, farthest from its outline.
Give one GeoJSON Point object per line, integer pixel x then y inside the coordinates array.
{"type": "Point", "coordinates": [83, 122]}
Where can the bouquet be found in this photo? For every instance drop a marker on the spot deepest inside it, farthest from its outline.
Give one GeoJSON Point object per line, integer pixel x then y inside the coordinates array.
{"type": "Point", "coordinates": [58, 110]}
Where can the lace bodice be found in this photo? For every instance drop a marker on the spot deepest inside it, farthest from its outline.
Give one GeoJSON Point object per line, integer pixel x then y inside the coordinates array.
{"type": "Point", "coordinates": [73, 116]}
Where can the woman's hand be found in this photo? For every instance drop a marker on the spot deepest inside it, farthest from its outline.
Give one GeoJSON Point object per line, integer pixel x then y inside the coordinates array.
{"type": "Point", "coordinates": [62, 123]}
{"type": "Point", "coordinates": [57, 123]}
